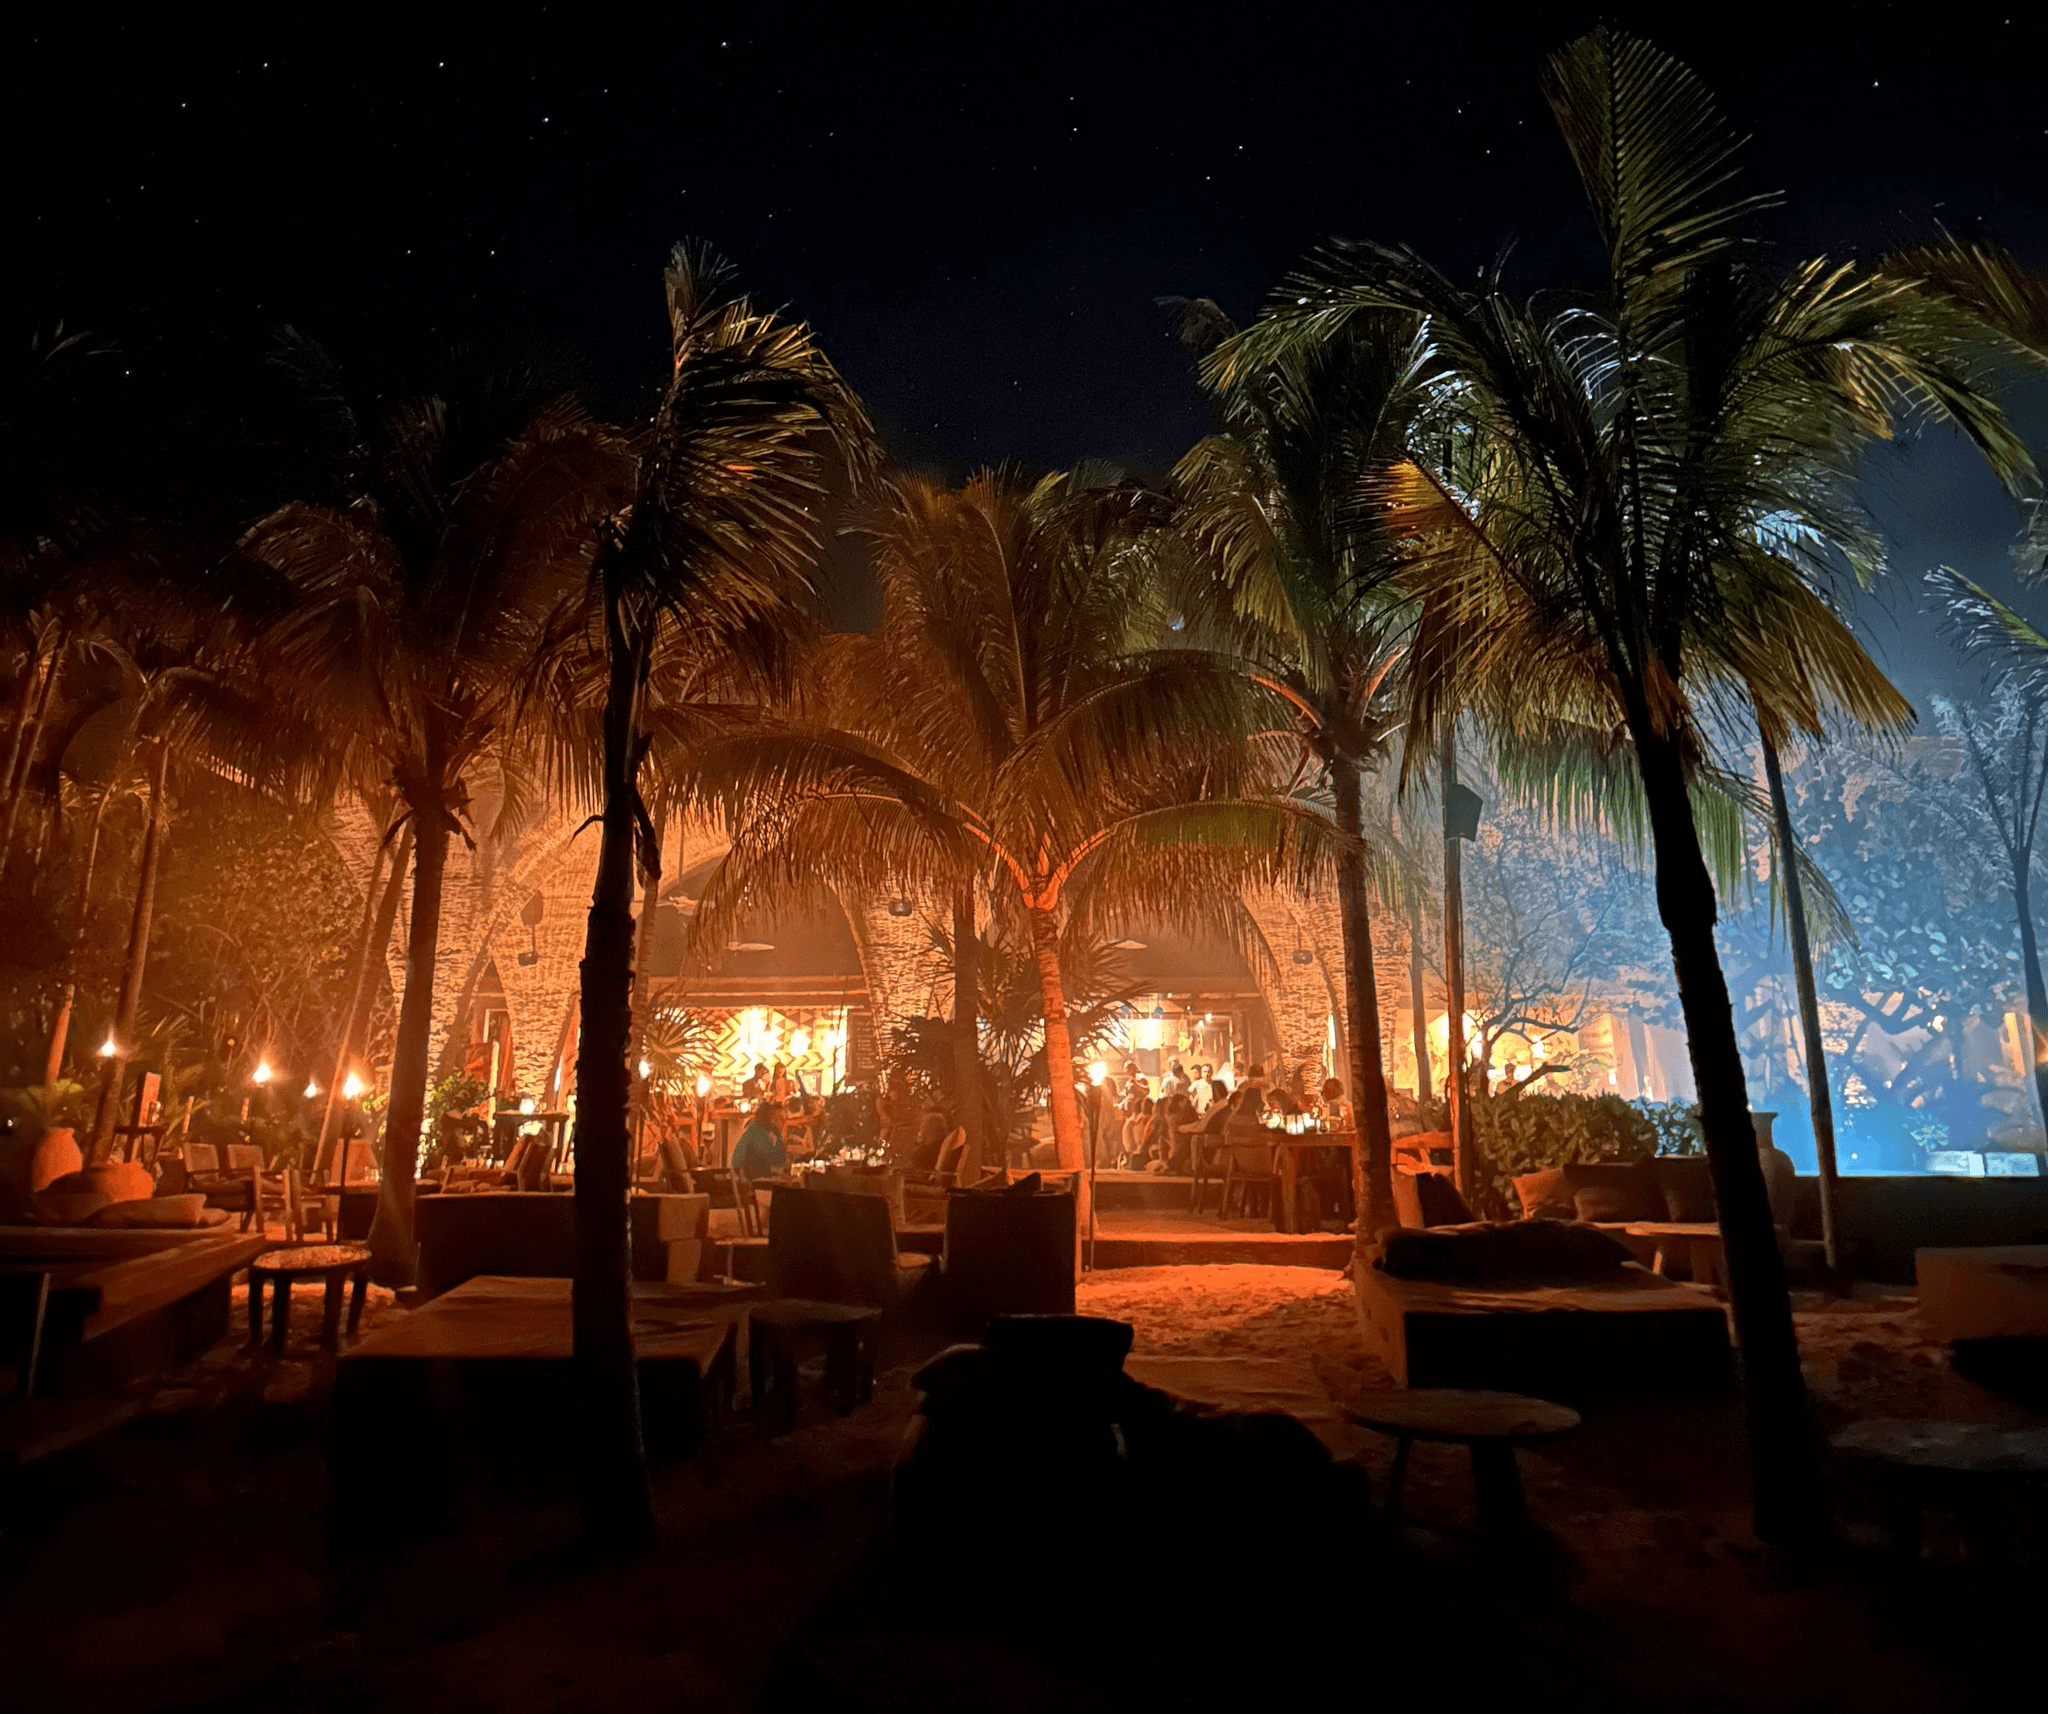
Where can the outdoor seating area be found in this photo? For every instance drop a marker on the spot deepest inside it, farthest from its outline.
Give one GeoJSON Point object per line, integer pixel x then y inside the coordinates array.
{"type": "Point", "coordinates": [1073, 863]}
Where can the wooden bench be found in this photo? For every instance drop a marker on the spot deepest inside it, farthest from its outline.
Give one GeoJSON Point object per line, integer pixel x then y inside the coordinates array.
{"type": "Point", "coordinates": [1490, 1425]}
{"type": "Point", "coordinates": [488, 1368]}
{"type": "Point", "coordinates": [130, 1311]}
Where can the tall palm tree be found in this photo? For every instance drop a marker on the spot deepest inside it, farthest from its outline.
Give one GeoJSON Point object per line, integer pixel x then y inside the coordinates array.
{"type": "Point", "coordinates": [1015, 724]}
{"type": "Point", "coordinates": [1588, 526]}
{"type": "Point", "coordinates": [421, 597]}
{"type": "Point", "coordinates": [710, 553]}
{"type": "Point", "coordinates": [2015, 780]}
{"type": "Point", "coordinates": [1272, 503]}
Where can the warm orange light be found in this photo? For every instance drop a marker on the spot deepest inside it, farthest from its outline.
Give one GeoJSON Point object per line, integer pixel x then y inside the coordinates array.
{"type": "Point", "coordinates": [352, 1086]}
{"type": "Point", "coordinates": [1097, 1072]}
{"type": "Point", "coordinates": [703, 1086]}
{"type": "Point", "coordinates": [312, 1089]}
{"type": "Point", "coordinates": [262, 1073]}
{"type": "Point", "coordinates": [645, 1068]}
{"type": "Point", "coordinates": [526, 1104]}
{"type": "Point", "coordinates": [107, 1048]}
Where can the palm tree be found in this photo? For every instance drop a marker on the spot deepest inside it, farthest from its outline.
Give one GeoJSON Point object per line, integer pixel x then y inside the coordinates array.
{"type": "Point", "coordinates": [2009, 755]}
{"type": "Point", "coordinates": [1588, 521]}
{"type": "Point", "coordinates": [1014, 725]}
{"type": "Point", "coordinates": [421, 598]}
{"type": "Point", "coordinates": [1271, 502]}
{"type": "Point", "coordinates": [716, 541]}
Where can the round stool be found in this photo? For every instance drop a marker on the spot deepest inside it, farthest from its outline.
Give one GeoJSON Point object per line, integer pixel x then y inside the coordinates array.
{"type": "Point", "coordinates": [336, 1264]}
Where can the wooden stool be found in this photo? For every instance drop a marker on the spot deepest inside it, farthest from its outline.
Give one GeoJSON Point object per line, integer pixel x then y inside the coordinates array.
{"type": "Point", "coordinates": [1492, 1425]}
{"type": "Point", "coordinates": [336, 1264]}
{"type": "Point", "coordinates": [847, 1332]}
{"type": "Point", "coordinates": [1970, 1469]}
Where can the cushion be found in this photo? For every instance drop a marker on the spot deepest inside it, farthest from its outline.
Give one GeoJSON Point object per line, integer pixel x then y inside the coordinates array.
{"type": "Point", "coordinates": [1688, 1185]}
{"type": "Point", "coordinates": [67, 1207]}
{"type": "Point", "coordinates": [1407, 1201]}
{"type": "Point", "coordinates": [1440, 1203]}
{"type": "Point", "coordinates": [174, 1212]}
{"type": "Point", "coordinates": [1546, 1195]}
{"type": "Point", "coordinates": [1616, 1191]}
{"type": "Point", "coordinates": [1518, 1249]}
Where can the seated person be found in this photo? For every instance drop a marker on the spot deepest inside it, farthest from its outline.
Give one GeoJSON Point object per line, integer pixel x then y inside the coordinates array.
{"type": "Point", "coordinates": [1170, 1143]}
{"type": "Point", "coordinates": [1336, 1110]}
{"type": "Point", "coordinates": [760, 1153]}
{"type": "Point", "coordinates": [1245, 1120]}
{"type": "Point", "coordinates": [931, 1137]}
{"type": "Point", "coordinates": [1138, 1133]}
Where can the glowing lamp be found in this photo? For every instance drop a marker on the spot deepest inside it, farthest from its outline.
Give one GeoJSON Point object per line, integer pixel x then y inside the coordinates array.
{"type": "Point", "coordinates": [526, 1104]}
{"type": "Point", "coordinates": [262, 1074]}
{"type": "Point", "coordinates": [645, 1068]}
{"type": "Point", "coordinates": [312, 1090]}
{"type": "Point", "coordinates": [1097, 1072]}
{"type": "Point", "coordinates": [352, 1087]}
{"type": "Point", "coordinates": [703, 1086]}
{"type": "Point", "coordinates": [107, 1048]}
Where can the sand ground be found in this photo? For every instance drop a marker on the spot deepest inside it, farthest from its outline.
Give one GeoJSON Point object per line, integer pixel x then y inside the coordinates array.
{"type": "Point", "coordinates": [179, 1563]}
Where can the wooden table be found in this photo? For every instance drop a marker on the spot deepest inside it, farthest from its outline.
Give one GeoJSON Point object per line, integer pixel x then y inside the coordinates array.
{"type": "Point", "coordinates": [1967, 1468]}
{"type": "Point", "coordinates": [334, 1264]}
{"type": "Point", "coordinates": [847, 1331]}
{"type": "Point", "coordinates": [1287, 1163]}
{"type": "Point", "coordinates": [1492, 1425]}
{"type": "Point", "coordinates": [1698, 1243]}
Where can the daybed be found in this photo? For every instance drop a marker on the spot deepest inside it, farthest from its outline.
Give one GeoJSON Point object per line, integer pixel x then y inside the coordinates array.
{"type": "Point", "coordinates": [1558, 1332]}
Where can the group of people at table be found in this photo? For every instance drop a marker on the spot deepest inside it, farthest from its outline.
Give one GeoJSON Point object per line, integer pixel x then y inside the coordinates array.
{"type": "Point", "coordinates": [1192, 1115]}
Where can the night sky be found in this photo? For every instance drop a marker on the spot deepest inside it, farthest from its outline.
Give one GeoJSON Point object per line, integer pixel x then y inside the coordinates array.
{"type": "Point", "coordinates": [976, 209]}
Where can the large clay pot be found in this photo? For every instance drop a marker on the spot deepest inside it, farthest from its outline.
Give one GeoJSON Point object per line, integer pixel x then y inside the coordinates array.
{"type": "Point", "coordinates": [55, 1155]}
{"type": "Point", "coordinates": [1781, 1177]}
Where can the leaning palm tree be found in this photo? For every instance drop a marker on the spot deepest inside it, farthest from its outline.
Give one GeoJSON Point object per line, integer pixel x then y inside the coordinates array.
{"type": "Point", "coordinates": [707, 558]}
{"type": "Point", "coordinates": [420, 599]}
{"type": "Point", "coordinates": [2008, 752]}
{"type": "Point", "coordinates": [1588, 520]}
{"type": "Point", "coordinates": [1286, 579]}
{"type": "Point", "coordinates": [1015, 726]}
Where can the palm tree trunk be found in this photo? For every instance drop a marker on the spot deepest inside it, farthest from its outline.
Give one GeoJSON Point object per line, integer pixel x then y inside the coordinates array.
{"type": "Point", "coordinates": [1059, 1066]}
{"type": "Point", "coordinates": [138, 957]}
{"type": "Point", "coordinates": [643, 938]}
{"type": "Point", "coordinates": [1362, 1009]}
{"type": "Point", "coordinates": [2037, 990]}
{"type": "Point", "coordinates": [1418, 999]}
{"type": "Point", "coordinates": [1458, 1087]}
{"type": "Point", "coordinates": [380, 910]}
{"type": "Point", "coordinates": [391, 1240]}
{"type": "Point", "coordinates": [1819, 1101]}
{"type": "Point", "coordinates": [22, 756]}
{"type": "Point", "coordinates": [967, 1017]}
{"type": "Point", "coordinates": [60, 1028]}
{"type": "Point", "coordinates": [618, 1505]}
{"type": "Point", "coordinates": [1786, 1499]}
{"type": "Point", "coordinates": [17, 727]}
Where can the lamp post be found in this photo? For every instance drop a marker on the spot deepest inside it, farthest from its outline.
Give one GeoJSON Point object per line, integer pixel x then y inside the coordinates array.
{"type": "Point", "coordinates": [1096, 1073]}
{"type": "Point", "coordinates": [260, 1077]}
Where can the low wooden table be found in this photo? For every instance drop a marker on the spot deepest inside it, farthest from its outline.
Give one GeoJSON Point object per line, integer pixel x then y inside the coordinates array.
{"type": "Point", "coordinates": [1492, 1425]}
{"type": "Point", "coordinates": [1287, 1163]}
{"type": "Point", "coordinates": [1923, 1465]}
{"type": "Point", "coordinates": [847, 1331]}
{"type": "Point", "coordinates": [335, 1264]}
{"type": "Point", "coordinates": [1698, 1243]}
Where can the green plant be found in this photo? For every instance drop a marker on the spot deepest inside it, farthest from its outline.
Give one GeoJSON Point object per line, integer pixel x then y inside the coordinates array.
{"type": "Point", "coordinates": [1516, 1134]}
{"type": "Point", "coordinates": [1677, 1124]}
{"type": "Point", "coordinates": [29, 1111]}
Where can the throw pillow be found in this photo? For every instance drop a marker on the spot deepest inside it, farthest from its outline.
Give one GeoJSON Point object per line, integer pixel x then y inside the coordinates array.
{"type": "Point", "coordinates": [158, 1212]}
{"type": "Point", "coordinates": [1688, 1185]}
{"type": "Point", "coordinates": [1545, 1195]}
{"type": "Point", "coordinates": [1628, 1190]}
{"type": "Point", "coordinates": [1513, 1250]}
{"type": "Point", "coordinates": [1440, 1203]}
